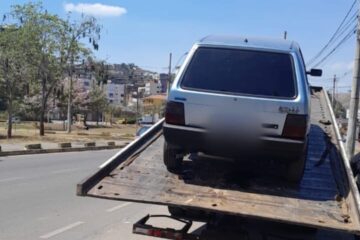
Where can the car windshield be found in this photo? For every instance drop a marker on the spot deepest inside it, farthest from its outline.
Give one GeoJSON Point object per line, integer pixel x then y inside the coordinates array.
{"type": "Point", "coordinates": [241, 72]}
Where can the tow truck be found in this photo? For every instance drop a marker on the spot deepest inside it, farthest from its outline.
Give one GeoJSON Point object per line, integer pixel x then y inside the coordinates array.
{"type": "Point", "coordinates": [231, 202]}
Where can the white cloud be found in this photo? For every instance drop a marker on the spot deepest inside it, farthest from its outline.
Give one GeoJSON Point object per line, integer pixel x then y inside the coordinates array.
{"type": "Point", "coordinates": [95, 9]}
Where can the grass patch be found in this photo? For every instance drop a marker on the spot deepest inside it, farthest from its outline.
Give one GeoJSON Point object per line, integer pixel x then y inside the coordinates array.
{"type": "Point", "coordinates": [82, 134]}
{"type": "Point", "coordinates": [105, 134]}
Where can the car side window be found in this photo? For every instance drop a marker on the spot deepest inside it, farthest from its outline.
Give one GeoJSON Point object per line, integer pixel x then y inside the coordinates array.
{"type": "Point", "coordinates": [303, 62]}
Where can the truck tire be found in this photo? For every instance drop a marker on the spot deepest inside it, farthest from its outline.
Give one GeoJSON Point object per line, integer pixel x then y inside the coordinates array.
{"type": "Point", "coordinates": [172, 157]}
{"type": "Point", "coordinates": [295, 169]}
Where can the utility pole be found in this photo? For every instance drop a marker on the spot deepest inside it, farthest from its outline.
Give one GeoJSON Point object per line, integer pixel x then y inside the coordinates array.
{"type": "Point", "coordinates": [285, 34]}
{"type": "Point", "coordinates": [333, 92]}
{"type": "Point", "coordinates": [169, 77]}
{"type": "Point", "coordinates": [354, 101]}
{"type": "Point", "coordinates": [137, 107]}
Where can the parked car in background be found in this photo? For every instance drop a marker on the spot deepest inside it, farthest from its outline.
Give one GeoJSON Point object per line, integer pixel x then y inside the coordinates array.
{"type": "Point", "coordinates": [239, 94]}
{"type": "Point", "coordinates": [142, 130]}
{"type": "Point", "coordinates": [14, 120]}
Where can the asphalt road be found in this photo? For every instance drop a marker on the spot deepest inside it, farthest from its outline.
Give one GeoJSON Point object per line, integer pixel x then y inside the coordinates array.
{"type": "Point", "coordinates": [38, 200]}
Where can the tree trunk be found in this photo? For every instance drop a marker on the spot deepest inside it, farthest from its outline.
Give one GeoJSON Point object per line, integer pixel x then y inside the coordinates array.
{"type": "Point", "coordinates": [9, 130]}
{"type": "Point", "coordinates": [42, 127]}
{"type": "Point", "coordinates": [10, 98]}
{"type": "Point", "coordinates": [43, 107]}
{"type": "Point", "coordinates": [84, 120]}
{"type": "Point", "coordinates": [69, 114]}
{"type": "Point", "coordinates": [111, 118]}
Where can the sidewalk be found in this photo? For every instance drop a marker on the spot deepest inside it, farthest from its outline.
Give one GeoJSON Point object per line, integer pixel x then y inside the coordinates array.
{"type": "Point", "coordinates": [50, 147]}
{"type": "Point", "coordinates": [5, 147]}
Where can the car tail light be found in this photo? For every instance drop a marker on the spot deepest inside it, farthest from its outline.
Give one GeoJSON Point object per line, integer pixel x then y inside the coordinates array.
{"type": "Point", "coordinates": [295, 126]}
{"type": "Point", "coordinates": [174, 113]}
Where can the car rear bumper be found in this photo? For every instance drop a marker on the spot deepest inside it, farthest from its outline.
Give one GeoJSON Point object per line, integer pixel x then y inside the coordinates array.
{"type": "Point", "coordinates": [191, 139]}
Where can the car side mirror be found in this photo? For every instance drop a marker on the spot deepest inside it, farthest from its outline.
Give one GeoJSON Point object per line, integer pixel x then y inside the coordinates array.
{"type": "Point", "coordinates": [315, 72]}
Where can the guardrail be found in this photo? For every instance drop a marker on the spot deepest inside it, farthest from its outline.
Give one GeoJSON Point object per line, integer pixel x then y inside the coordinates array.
{"type": "Point", "coordinates": [344, 155]}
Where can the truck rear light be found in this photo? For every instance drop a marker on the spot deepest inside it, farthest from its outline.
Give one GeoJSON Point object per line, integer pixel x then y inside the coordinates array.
{"type": "Point", "coordinates": [141, 227]}
{"type": "Point", "coordinates": [295, 126]}
{"type": "Point", "coordinates": [174, 113]}
{"type": "Point", "coordinates": [158, 232]}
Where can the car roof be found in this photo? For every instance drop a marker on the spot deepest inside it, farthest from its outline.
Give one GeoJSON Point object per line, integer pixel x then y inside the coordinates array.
{"type": "Point", "coordinates": [253, 42]}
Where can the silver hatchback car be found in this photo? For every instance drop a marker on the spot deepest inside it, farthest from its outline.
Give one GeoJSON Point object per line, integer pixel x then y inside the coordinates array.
{"type": "Point", "coordinates": [238, 95]}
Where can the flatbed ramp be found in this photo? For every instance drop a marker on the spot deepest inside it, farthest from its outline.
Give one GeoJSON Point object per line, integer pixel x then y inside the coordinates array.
{"type": "Point", "coordinates": [325, 199]}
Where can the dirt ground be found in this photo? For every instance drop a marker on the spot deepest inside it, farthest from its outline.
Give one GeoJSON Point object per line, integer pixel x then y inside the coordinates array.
{"type": "Point", "coordinates": [28, 132]}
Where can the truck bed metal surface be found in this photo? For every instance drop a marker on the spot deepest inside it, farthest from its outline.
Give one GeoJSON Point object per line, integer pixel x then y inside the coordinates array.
{"type": "Point", "coordinates": [324, 199]}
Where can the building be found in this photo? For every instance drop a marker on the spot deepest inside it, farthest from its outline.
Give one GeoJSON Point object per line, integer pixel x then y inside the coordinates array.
{"type": "Point", "coordinates": [86, 81]}
{"type": "Point", "coordinates": [115, 92]}
{"type": "Point", "coordinates": [154, 104]}
{"type": "Point", "coordinates": [164, 78]}
{"type": "Point", "coordinates": [151, 75]}
{"type": "Point", "coordinates": [152, 87]}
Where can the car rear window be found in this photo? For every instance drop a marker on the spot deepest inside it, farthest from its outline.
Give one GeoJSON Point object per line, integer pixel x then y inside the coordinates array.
{"type": "Point", "coordinates": [242, 72]}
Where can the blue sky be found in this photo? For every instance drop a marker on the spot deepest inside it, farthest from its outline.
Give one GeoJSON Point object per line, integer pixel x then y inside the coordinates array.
{"type": "Point", "coordinates": [145, 32]}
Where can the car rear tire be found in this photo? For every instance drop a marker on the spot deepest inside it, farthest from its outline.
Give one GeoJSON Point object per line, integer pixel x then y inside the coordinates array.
{"type": "Point", "coordinates": [295, 169]}
{"type": "Point", "coordinates": [172, 157]}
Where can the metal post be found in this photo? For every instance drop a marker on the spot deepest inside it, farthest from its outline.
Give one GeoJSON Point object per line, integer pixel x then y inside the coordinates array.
{"type": "Point", "coordinates": [333, 92]}
{"type": "Point", "coordinates": [169, 77]}
{"type": "Point", "coordinates": [354, 101]}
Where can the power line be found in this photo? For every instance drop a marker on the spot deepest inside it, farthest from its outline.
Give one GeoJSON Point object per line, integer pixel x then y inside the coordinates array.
{"type": "Point", "coordinates": [342, 41]}
{"type": "Point", "coordinates": [313, 59]}
{"type": "Point", "coordinates": [339, 76]}
{"type": "Point", "coordinates": [350, 23]}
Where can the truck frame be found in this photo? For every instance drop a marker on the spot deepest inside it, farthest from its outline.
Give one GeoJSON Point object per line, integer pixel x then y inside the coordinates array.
{"type": "Point", "coordinates": [326, 202]}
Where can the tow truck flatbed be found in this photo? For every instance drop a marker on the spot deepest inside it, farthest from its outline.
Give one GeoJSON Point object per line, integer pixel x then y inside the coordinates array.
{"type": "Point", "coordinates": [327, 197]}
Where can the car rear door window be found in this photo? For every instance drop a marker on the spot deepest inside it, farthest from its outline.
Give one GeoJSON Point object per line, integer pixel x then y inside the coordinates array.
{"type": "Point", "coordinates": [242, 72]}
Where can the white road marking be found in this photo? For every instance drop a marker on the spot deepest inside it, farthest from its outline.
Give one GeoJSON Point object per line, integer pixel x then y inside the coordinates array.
{"type": "Point", "coordinates": [61, 230]}
{"type": "Point", "coordinates": [10, 179]}
{"type": "Point", "coordinates": [66, 170]}
{"type": "Point", "coordinates": [118, 207]}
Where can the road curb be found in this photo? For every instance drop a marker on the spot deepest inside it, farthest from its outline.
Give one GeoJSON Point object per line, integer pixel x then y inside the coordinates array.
{"type": "Point", "coordinates": [59, 150]}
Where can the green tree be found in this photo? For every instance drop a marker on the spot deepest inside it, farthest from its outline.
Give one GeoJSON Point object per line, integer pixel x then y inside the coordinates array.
{"type": "Point", "coordinates": [43, 51]}
{"type": "Point", "coordinates": [100, 70]}
{"type": "Point", "coordinates": [113, 110]}
{"type": "Point", "coordinates": [97, 101]}
{"type": "Point", "coordinates": [12, 67]}
{"type": "Point", "coordinates": [73, 51]}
